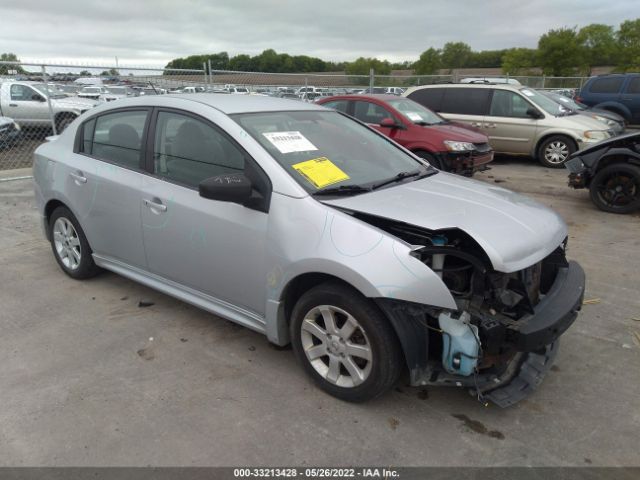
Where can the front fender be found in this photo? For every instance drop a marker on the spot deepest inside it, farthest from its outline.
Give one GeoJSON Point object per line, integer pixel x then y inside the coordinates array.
{"type": "Point", "coordinates": [306, 236]}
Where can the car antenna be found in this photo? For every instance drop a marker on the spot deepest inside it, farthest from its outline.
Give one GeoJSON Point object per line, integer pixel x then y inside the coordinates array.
{"type": "Point", "coordinates": [154, 88]}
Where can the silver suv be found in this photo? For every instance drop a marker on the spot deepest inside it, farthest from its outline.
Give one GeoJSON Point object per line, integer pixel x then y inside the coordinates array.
{"type": "Point", "coordinates": [306, 225]}
{"type": "Point", "coordinates": [518, 120]}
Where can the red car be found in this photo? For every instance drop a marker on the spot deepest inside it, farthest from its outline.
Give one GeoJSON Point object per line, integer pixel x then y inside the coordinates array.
{"type": "Point", "coordinates": [444, 144]}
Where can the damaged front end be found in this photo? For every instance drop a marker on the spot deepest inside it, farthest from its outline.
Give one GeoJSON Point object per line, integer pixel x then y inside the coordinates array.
{"type": "Point", "coordinates": [503, 336]}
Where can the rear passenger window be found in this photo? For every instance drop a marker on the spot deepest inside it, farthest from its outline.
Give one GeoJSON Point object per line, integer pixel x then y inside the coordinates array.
{"type": "Point", "coordinates": [606, 85]}
{"type": "Point", "coordinates": [465, 101]}
{"type": "Point", "coordinates": [634, 85]}
{"type": "Point", "coordinates": [429, 97]}
{"type": "Point", "coordinates": [188, 150]}
{"type": "Point", "coordinates": [87, 135]}
{"type": "Point", "coordinates": [117, 137]}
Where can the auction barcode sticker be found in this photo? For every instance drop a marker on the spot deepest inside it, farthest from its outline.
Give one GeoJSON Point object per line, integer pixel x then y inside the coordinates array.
{"type": "Point", "coordinates": [288, 142]}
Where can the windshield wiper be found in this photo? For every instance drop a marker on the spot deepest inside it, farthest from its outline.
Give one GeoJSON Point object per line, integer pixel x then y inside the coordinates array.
{"type": "Point", "coordinates": [343, 190]}
{"type": "Point", "coordinates": [402, 176]}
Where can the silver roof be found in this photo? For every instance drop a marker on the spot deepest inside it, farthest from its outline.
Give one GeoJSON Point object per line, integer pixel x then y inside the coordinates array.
{"type": "Point", "coordinates": [230, 104]}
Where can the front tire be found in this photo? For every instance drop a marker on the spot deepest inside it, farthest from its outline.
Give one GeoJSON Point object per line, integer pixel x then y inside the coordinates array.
{"type": "Point", "coordinates": [555, 151]}
{"type": "Point", "coordinates": [70, 246]}
{"type": "Point", "coordinates": [433, 161]}
{"type": "Point", "coordinates": [345, 343]}
{"type": "Point", "coordinates": [616, 188]}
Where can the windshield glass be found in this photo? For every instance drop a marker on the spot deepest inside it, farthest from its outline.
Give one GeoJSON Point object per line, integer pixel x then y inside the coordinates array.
{"type": "Point", "coordinates": [544, 102]}
{"type": "Point", "coordinates": [416, 113]}
{"type": "Point", "coordinates": [566, 101]}
{"type": "Point", "coordinates": [321, 149]}
{"type": "Point", "coordinates": [48, 90]}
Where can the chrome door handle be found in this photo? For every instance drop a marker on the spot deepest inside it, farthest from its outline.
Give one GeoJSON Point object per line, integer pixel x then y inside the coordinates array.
{"type": "Point", "coordinates": [154, 205]}
{"type": "Point", "coordinates": [476, 124]}
{"type": "Point", "coordinates": [78, 178]}
{"type": "Point", "coordinates": [490, 125]}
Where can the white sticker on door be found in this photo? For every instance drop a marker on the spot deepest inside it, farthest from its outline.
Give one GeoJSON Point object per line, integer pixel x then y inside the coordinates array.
{"type": "Point", "coordinates": [288, 142]}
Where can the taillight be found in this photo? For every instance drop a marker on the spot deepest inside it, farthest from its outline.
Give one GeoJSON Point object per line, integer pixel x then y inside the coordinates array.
{"type": "Point", "coordinates": [578, 99]}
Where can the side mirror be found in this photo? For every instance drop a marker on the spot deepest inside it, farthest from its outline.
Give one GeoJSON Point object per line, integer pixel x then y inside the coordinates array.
{"type": "Point", "coordinates": [233, 187]}
{"type": "Point", "coordinates": [533, 113]}
{"type": "Point", "coordinates": [389, 123]}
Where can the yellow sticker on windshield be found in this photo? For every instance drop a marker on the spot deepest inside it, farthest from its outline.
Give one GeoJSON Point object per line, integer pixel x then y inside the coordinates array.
{"type": "Point", "coordinates": [320, 172]}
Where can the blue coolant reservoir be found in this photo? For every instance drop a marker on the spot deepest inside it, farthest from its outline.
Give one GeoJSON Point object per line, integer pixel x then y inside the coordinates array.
{"type": "Point", "coordinates": [460, 343]}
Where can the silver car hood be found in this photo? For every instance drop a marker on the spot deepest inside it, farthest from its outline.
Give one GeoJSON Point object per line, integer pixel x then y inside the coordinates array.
{"type": "Point", "coordinates": [514, 231]}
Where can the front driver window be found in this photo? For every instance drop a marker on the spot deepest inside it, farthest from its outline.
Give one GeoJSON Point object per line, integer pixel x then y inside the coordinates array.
{"type": "Point", "coordinates": [368, 112]}
{"type": "Point", "coordinates": [23, 93]}
{"type": "Point", "coordinates": [188, 150]}
{"type": "Point", "coordinates": [508, 104]}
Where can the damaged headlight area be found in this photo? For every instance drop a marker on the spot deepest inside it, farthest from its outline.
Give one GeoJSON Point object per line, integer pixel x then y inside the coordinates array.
{"type": "Point", "coordinates": [502, 338]}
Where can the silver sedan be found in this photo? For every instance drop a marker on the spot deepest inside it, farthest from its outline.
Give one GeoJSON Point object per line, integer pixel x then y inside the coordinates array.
{"type": "Point", "coordinates": [305, 225]}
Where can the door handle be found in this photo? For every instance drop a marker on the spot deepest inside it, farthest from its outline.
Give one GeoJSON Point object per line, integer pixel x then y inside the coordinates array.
{"type": "Point", "coordinates": [13, 104]}
{"type": "Point", "coordinates": [489, 125]}
{"type": "Point", "coordinates": [476, 124]}
{"type": "Point", "coordinates": [154, 205]}
{"type": "Point", "coordinates": [78, 177]}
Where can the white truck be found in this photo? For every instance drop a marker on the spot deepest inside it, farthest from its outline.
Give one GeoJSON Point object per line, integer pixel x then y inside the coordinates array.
{"type": "Point", "coordinates": [26, 103]}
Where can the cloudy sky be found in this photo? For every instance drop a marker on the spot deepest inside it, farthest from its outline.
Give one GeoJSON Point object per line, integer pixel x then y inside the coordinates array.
{"type": "Point", "coordinates": [150, 32]}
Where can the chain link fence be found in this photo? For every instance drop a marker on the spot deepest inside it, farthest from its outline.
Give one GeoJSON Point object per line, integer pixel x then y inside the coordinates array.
{"type": "Point", "coordinates": [39, 100]}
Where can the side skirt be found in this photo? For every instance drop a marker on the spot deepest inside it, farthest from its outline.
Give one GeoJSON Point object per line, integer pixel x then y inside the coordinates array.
{"type": "Point", "coordinates": [186, 294]}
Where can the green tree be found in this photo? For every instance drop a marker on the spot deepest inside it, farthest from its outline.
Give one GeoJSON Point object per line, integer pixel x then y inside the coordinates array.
{"type": "Point", "coordinates": [362, 65]}
{"type": "Point", "coordinates": [455, 55]}
{"type": "Point", "coordinates": [629, 45]}
{"type": "Point", "coordinates": [10, 57]}
{"type": "Point", "coordinates": [240, 63]}
{"type": "Point", "coordinates": [428, 63]}
{"type": "Point", "coordinates": [560, 53]}
{"type": "Point", "coordinates": [486, 59]}
{"type": "Point", "coordinates": [599, 46]}
{"type": "Point", "coordinates": [85, 73]}
{"type": "Point", "coordinates": [519, 61]}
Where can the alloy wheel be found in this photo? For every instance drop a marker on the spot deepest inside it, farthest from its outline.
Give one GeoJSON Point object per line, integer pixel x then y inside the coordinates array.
{"type": "Point", "coordinates": [556, 152]}
{"type": "Point", "coordinates": [336, 346]}
{"type": "Point", "coordinates": [67, 243]}
{"type": "Point", "coordinates": [618, 190]}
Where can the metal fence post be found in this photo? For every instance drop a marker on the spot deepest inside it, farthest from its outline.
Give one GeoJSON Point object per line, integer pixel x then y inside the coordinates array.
{"type": "Point", "coordinates": [543, 80]}
{"type": "Point", "coordinates": [204, 71]}
{"type": "Point", "coordinates": [46, 86]}
{"type": "Point", "coordinates": [371, 80]}
{"type": "Point", "coordinates": [210, 74]}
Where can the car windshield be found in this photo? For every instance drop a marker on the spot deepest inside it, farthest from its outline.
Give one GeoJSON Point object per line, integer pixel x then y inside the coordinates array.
{"type": "Point", "coordinates": [566, 101]}
{"type": "Point", "coordinates": [544, 102]}
{"type": "Point", "coordinates": [416, 113]}
{"type": "Point", "coordinates": [322, 149]}
{"type": "Point", "coordinates": [48, 90]}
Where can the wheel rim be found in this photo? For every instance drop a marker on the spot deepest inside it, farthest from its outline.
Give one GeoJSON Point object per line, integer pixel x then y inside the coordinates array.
{"type": "Point", "coordinates": [556, 152]}
{"type": "Point", "coordinates": [67, 243]}
{"type": "Point", "coordinates": [618, 189]}
{"type": "Point", "coordinates": [336, 346]}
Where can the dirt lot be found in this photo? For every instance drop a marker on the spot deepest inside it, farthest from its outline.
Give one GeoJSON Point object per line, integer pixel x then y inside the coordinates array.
{"type": "Point", "coordinates": [90, 378]}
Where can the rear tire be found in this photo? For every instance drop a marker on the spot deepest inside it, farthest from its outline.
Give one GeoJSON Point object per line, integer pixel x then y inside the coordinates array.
{"type": "Point", "coordinates": [616, 188]}
{"type": "Point", "coordinates": [345, 343]}
{"type": "Point", "coordinates": [554, 151]}
{"type": "Point", "coordinates": [70, 246]}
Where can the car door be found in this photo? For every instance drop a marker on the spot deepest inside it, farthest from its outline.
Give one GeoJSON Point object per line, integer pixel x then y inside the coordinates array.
{"type": "Point", "coordinates": [103, 181]}
{"type": "Point", "coordinates": [465, 105]}
{"type": "Point", "coordinates": [372, 114]}
{"type": "Point", "coordinates": [27, 105]}
{"type": "Point", "coordinates": [631, 98]}
{"type": "Point", "coordinates": [508, 125]}
{"type": "Point", "coordinates": [214, 247]}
